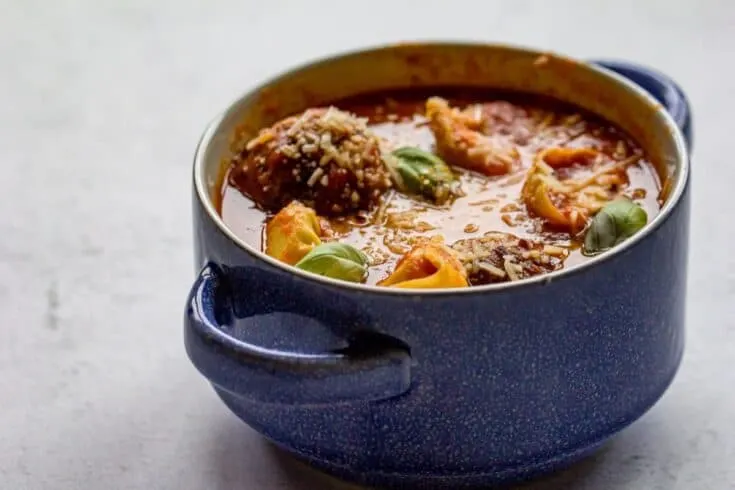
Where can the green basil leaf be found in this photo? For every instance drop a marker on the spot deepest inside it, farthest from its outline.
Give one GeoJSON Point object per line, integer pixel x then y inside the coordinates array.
{"type": "Point", "coordinates": [336, 260]}
{"type": "Point", "coordinates": [423, 173]}
{"type": "Point", "coordinates": [601, 235]}
{"type": "Point", "coordinates": [613, 224]}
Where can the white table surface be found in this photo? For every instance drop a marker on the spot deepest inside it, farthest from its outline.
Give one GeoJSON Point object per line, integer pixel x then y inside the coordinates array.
{"type": "Point", "coordinates": [101, 107]}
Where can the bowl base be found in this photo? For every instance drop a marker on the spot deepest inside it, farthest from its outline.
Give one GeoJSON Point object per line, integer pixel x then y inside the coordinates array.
{"type": "Point", "coordinates": [428, 479]}
{"type": "Point", "coordinates": [433, 481]}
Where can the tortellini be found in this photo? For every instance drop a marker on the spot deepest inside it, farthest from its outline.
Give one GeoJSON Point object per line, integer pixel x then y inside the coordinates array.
{"type": "Point", "coordinates": [569, 203]}
{"type": "Point", "coordinates": [461, 141]}
{"type": "Point", "coordinates": [292, 233]}
{"type": "Point", "coordinates": [428, 266]}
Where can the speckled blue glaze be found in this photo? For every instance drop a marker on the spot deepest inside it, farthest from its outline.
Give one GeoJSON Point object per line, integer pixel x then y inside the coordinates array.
{"type": "Point", "coordinates": [480, 388]}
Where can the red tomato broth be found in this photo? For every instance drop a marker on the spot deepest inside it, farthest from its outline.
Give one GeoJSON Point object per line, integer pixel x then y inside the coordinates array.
{"type": "Point", "coordinates": [489, 204]}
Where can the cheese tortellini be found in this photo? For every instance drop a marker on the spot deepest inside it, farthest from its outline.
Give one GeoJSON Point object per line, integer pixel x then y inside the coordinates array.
{"type": "Point", "coordinates": [292, 233]}
{"type": "Point", "coordinates": [569, 203]}
{"type": "Point", "coordinates": [428, 266]}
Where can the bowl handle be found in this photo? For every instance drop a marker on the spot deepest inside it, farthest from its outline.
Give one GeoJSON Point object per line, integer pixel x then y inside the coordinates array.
{"type": "Point", "coordinates": [663, 88]}
{"type": "Point", "coordinates": [372, 367]}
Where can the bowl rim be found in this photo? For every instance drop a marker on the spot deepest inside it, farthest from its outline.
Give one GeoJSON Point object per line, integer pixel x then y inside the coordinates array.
{"type": "Point", "coordinates": [671, 203]}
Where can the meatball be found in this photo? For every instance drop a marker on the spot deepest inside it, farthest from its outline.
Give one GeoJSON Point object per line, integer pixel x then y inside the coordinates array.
{"type": "Point", "coordinates": [326, 158]}
{"type": "Point", "coordinates": [500, 257]}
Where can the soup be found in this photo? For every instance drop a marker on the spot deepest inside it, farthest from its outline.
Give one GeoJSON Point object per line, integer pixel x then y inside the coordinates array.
{"type": "Point", "coordinates": [436, 189]}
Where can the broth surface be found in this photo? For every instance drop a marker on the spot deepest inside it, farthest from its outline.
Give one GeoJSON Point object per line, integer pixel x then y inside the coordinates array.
{"type": "Point", "coordinates": [489, 203]}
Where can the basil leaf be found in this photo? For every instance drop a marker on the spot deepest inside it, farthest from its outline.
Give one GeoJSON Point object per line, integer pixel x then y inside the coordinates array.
{"type": "Point", "coordinates": [423, 173]}
{"type": "Point", "coordinates": [335, 260]}
{"type": "Point", "coordinates": [613, 224]}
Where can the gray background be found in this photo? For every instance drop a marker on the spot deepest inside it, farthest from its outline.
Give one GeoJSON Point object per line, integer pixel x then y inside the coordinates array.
{"type": "Point", "coordinates": [100, 109]}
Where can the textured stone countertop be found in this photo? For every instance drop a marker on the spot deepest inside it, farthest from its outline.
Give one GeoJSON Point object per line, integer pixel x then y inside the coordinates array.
{"type": "Point", "coordinates": [101, 107]}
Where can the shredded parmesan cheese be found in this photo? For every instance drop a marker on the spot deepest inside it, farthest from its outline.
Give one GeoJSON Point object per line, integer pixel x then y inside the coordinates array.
{"type": "Point", "coordinates": [315, 177]}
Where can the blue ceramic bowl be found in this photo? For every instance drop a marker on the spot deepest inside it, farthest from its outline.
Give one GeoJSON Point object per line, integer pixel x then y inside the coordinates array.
{"type": "Point", "coordinates": [446, 388]}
